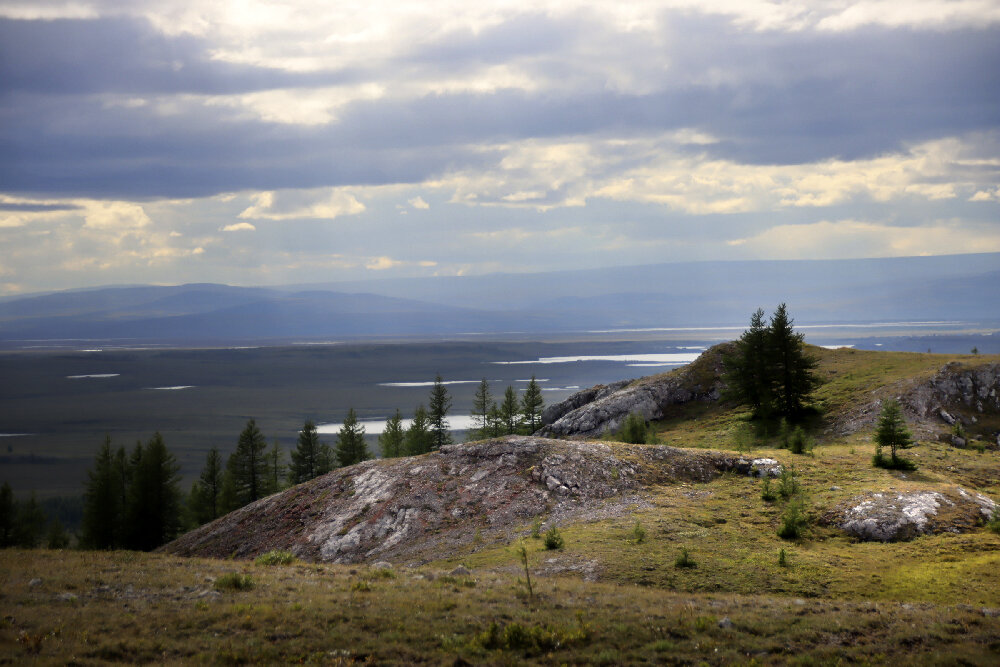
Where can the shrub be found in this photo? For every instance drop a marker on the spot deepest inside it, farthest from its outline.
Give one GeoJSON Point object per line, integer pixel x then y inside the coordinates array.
{"type": "Point", "coordinates": [553, 540]}
{"type": "Point", "coordinates": [234, 581]}
{"type": "Point", "coordinates": [276, 557]}
{"type": "Point", "coordinates": [767, 493]}
{"type": "Point", "coordinates": [994, 523]}
{"type": "Point", "coordinates": [634, 429]}
{"type": "Point", "coordinates": [799, 444]}
{"type": "Point", "coordinates": [685, 560]}
{"type": "Point", "coordinates": [793, 521]}
{"type": "Point", "coordinates": [536, 528]}
{"type": "Point", "coordinates": [782, 559]}
{"type": "Point", "coordinates": [638, 535]}
{"type": "Point", "coordinates": [788, 485]}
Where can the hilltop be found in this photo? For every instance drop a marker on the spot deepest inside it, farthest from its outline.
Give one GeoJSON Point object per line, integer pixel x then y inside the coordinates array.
{"type": "Point", "coordinates": [415, 559]}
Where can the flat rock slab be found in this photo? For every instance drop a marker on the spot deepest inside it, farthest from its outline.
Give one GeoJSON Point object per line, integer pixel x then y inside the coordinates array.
{"type": "Point", "coordinates": [891, 516]}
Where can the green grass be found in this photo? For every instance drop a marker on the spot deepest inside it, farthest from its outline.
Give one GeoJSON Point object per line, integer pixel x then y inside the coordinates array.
{"type": "Point", "coordinates": [144, 607]}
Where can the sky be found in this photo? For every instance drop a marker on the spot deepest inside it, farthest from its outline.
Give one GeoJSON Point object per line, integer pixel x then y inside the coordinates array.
{"type": "Point", "coordinates": [266, 143]}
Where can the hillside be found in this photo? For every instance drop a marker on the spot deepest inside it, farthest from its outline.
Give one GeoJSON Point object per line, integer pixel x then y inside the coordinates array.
{"type": "Point", "coordinates": [415, 559]}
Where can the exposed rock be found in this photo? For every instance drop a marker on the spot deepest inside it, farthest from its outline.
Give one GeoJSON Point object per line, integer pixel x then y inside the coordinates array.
{"type": "Point", "coordinates": [892, 516]}
{"type": "Point", "coordinates": [948, 419]}
{"type": "Point", "coordinates": [381, 565]}
{"type": "Point", "coordinates": [460, 571]}
{"type": "Point", "coordinates": [957, 387]}
{"type": "Point", "coordinates": [416, 508]}
{"type": "Point", "coordinates": [604, 407]}
{"type": "Point", "coordinates": [957, 441]}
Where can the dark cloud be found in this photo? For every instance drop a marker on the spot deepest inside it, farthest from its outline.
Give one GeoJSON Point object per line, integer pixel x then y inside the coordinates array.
{"type": "Point", "coordinates": [37, 208]}
{"type": "Point", "coordinates": [770, 97]}
{"type": "Point", "coordinates": [118, 55]}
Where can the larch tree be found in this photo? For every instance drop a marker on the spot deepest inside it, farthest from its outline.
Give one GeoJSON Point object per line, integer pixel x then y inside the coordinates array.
{"type": "Point", "coordinates": [437, 412]}
{"type": "Point", "coordinates": [102, 501]}
{"type": "Point", "coordinates": [793, 370]}
{"type": "Point", "coordinates": [206, 494]}
{"type": "Point", "coordinates": [481, 410]}
{"type": "Point", "coordinates": [532, 405]}
{"type": "Point", "coordinates": [154, 508]}
{"type": "Point", "coordinates": [247, 467]}
{"type": "Point", "coordinates": [310, 458]}
{"type": "Point", "coordinates": [351, 446]}
{"type": "Point", "coordinates": [392, 439]}
{"type": "Point", "coordinates": [418, 436]}
{"type": "Point", "coordinates": [891, 432]}
{"type": "Point", "coordinates": [510, 412]}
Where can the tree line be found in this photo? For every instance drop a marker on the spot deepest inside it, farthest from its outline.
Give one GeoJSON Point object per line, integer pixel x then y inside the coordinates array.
{"type": "Point", "coordinates": [133, 500]}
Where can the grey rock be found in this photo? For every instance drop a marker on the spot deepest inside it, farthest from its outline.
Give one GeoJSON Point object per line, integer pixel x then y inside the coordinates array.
{"type": "Point", "coordinates": [957, 441]}
{"type": "Point", "coordinates": [894, 516]}
{"type": "Point", "coordinates": [604, 408]}
{"type": "Point", "coordinates": [460, 571]}
{"type": "Point", "coordinates": [946, 416]}
{"type": "Point", "coordinates": [725, 623]}
{"type": "Point", "coordinates": [35, 582]}
{"type": "Point", "coordinates": [381, 565]}
{"type": "Point", "coordinates": [66, 597]}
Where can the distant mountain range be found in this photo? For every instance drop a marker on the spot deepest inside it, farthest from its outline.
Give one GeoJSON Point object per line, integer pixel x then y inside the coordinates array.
{"type": "Point", "coordinates": [956, 287]}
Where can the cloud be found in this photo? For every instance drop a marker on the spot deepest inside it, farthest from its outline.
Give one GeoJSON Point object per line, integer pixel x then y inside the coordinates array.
{"type": "Point", "coordinates": [381, 263]}
{"type": "Point", "coordinates": [418, 202]}
{"type": "Point", "coordinates": [239, 227]}
{"type": "Point", "coordinates": [326, 203]}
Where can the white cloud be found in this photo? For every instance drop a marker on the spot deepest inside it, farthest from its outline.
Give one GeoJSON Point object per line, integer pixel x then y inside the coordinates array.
{"type": "Point", "coordinates": [986, 195]}
{"type": "Point", "coordinates": [381, 263]}
{"type": "Point", "coordinates": [418, 202]}
{"type": "Point", "coordinates": [239, 227]}
{"type": "Point", "coordinates": [328, 203]}
{"type": "Point", "coordinates": [114, 215]}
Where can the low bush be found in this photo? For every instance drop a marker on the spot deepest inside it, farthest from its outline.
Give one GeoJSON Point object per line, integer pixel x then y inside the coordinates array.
{"type": "Point", "coordinates": [234, 581]}
{"type": "Point", "coordinates": [638, 535]}
{"type": "Point", "coordinates": [553, 540]}
{"type": "Point", "coordinates": [793, 521]}
{"type": "Point", "coordinates": [788, 485]}
{"type": "Point", "coordinates": [685, 560]}
{"type": "Point", "coordinates": [767, 493]}
{"type": "Point", "coordinates": [994, 523]}
{"type": "Point", "coordinates": [276, 557]}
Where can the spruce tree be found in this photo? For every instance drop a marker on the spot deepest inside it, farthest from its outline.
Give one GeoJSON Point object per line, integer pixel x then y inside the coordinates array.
{"type": "Point", "coordinates": [154, 508]}
{"type": "Point", "coordinates": [494, 421]}
{"type": "Point", "coordinates": [891, 432]}
{"type": "Point", "coordinates": [310, 458]}
{"type": "Point", "coordinates": [392, 439]}
{"type": "Point", "coordinates": [8, 515]}
{"type": "Point", "coordinates": [102, 500]}
{"type": "Point", "coordinates": [351, 446]}
{"type": "Point", "coordinates": [793, 377]}
{"type": "Point", "coordinates": [747, 376]}
{"type": "Point", "coordinates": [418, 436]}
{"type": "Point", "coordinates": [247, 466]}
{"type": "Point", "coordinates": [29, 527]}
{"type": "Point", "coordinates": [437, 412]}
{"type": "Point", "coordinates": [206, 494]}
{"type": "Point", "coordinates": [510, 413]}
{"type": "Point", "coordinates": [480, 411]}
{"type": "Point", "coordinates": [532, 406]}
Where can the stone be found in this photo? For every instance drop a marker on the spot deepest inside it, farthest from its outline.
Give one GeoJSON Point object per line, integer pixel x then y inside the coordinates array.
{"type": "Point", "coordinates": [66, 597]}
{"type": "Point", "coordinates": [957, 441]}
{"type": "Point", "coordinates": [948, 419]}
{"type": "Point", "coordinates": [460, 571]}
{"type": "Point", "coordinates": [725, 623]}
{"type": "Point", "coordinates": [35, 582]}
{"type": "Point", "coordinates": [381, 565]}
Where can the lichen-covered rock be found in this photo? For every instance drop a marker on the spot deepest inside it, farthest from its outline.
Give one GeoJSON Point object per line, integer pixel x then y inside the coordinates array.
{"type": "Point", "coordinates": [604, 408]}
{"type": "Point", "coordinates": [896, 516]}
{"type": "Point", "coordinates": [415, 508]}
{"type": "Point", "coordinates": [957, 387]}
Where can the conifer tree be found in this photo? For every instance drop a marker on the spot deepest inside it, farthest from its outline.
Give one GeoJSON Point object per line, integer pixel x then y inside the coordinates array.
{"type": "Point", "coordinates": [747, 376]}
{"type": "Point", "coordinates": [351, 446]}
{"type": "Point", "coordinates": [891, 432]}
{"type": "Point", "coordinates": [392, 440]}
{"type": "Point", "coordinates": [206, 494]}
{"type": "Point", "coordinates": [510, 413]}
{"type": "Point", "coordinates": [247, 467]}
{"type": "Point", "coordinates": [275, 467]}
{"type": "Point", "coordinates": [494, 421]}
{"type": "Point", "coordinates": [531, 406]}
{"type": "Point", "coordinates": [792, 369]}
{"type": "Point", "coordinates": [29, 527]}
{"type": "Point", "coordinates": [102, 500]}
{"type": "Point", "coordinates": [154, 508]}
{"type": "Point", "coordinates": [480, 411]}
{"type": "Point", "coordinates": [418, 436]}
{"type": "Point", "coordinates": [437, 412]}
{"type": "Point", "coordinates": [310, 458]}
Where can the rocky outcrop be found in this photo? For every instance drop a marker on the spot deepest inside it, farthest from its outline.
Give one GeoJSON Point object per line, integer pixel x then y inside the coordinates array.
{"type": "Point", "coordinates": [416, 508]}
{"type": "Point", "coordinates": [957, 388]}
{"type": "Point", "coordinates": [604, 408]}
{"type": "Point", "coordinates": [897, 516]}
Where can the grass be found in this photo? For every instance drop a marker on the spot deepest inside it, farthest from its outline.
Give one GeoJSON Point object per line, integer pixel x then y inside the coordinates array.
{"type": "Point", "coordinates": [312, 613]}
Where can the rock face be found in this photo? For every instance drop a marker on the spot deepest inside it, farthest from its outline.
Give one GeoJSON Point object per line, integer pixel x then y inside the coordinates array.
{"type": "Point", "coordinates": [971, 389]}
{"type": "Point", "coordinates": [603, 408]}
{"type": "Point", "coordinates": [411, 509]}
{"type": "Point", "coordinates": [891, 516]}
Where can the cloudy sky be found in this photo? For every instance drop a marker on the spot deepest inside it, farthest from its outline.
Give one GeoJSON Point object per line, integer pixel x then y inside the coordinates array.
{"type": "Point", "coordinates": [279, 142]}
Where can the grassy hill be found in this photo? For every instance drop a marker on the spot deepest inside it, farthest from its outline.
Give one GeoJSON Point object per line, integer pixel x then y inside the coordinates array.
{"type": "Point", "coordinates": [614, 593]}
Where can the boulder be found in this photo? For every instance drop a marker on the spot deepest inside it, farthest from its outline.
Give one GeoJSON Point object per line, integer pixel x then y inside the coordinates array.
{"type": "Point", "coordinates": [890, 516]}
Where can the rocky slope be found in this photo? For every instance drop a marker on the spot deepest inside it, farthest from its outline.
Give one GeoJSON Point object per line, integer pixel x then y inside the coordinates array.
{"type": "Point", "coordinates": [604, 408]}
{"type": "Point", "coordinates": [411, 509]}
